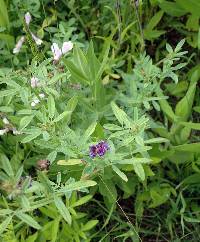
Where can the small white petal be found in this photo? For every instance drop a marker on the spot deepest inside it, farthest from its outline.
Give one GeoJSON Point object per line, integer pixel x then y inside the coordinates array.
{"type": "Point", "coordinates": [34, 82]}
{"type": "Point", "coordinates": [33, 104]}
{"type": "Point", "coordinates": [37, 40]}
{"type": "Point", "coordinates": [3, 131]}
{"type": "Point", "coordinates": [56, 51]}
{"type": "Point", "coordinates": [5, 121]}
{"type": "Point", "coordinates": [27, 18]}
{"type": "Point", "coordinates": [67, 46]}
{"type": "Point", "coordinates": [41, 95]}
{"type": "Point", "coordinates": [16, 132]}
{"type": "Point", "coordinates": [19, 44]}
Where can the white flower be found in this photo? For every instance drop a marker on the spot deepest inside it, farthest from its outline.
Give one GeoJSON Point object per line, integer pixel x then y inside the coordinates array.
{"type": "Point", "coordinates": [27, 18]}
{"type": "Point", "coordinates": [57, 52]}
{"type": "Point", "coordinates": [3, 131]}
{"type": "Point", "coordinates": [37, 40]}
{"type": "Point", "coordinates": [34, 82]}
{"type": "Point", "coordinates": [16, 132]}
{"type": "Point", "coordinates": [5, 120]}
{"type": "Point", "coordinates": [67, 46]}
{"type": "Point", "coordinates": [19, 45]}
{"type": "Point", "coordinates": [36, 100]}
{"type": "Point", "coordinates": [41, 95]}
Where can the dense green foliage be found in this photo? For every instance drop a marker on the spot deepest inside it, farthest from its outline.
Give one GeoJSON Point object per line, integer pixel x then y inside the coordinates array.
{"type": "Point", "coordinates": [99, 120]}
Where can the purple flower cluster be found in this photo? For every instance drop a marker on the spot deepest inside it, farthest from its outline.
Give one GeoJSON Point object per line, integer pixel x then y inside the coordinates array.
{"type": "Point", "coordinates": [99, 149]}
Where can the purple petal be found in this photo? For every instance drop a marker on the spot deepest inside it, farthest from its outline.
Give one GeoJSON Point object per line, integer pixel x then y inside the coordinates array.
{"type": "Point", "coordinates": [19, 44]}
{"type": "Point", "coordinates": [34, 82]}
{"type": "Point", "coordinates": [27, 18]}
{"type": "Point", "coordinates": [67, 46]}
{"type": "Point", "coordinates": [37, 40]}
{"type": "Point", "coordinates": [56, 51]}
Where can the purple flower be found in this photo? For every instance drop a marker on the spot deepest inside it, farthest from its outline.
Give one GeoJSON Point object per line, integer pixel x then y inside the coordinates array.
{"type": "Point", "coordinates": [102, 148]}
{"type": "Point", "coordinates": [99, 149]}
{"type": "Point", "coordinates": [67, 46]}
{"type": "Point", "coordinates": [27, 17]}
{"type": "Point", "coordinates": [93, 151]}
{"type": "Point", "coordinates": [37, 40]}
{"type": "Point", "coordinates": [57, 52]}
{"type": "Point", "coordinates": [34, 82]}
{"type": "Point", "coordinates": [19, 44]}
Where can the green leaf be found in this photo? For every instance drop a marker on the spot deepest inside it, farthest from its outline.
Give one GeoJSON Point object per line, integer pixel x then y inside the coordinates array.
{"type": "Point", "coordinates": [6, 165]}
{"type": "Point", "coordinates": [89, 225]}
{"type": "Point", "coordinates": [194, 147]}
{"type": "Point", "coordinates": [173, 76]}
{"type": "Point", "coordinates": [149, 33]}
{"type": "Point", "coordinates": [154, 20]}
{"type": "Point", "coordinates": [93, 62]}
{"type": "Point", "coordinates": [28, 219]}
{"type": "Point", "coordinates": [4, 21]}
{"type": "Point", "coordinates": [153, 34]}
{"type": "Point", "coordinates": [31, 136]}
{"type": "Point", "coordinates": [25, 121]}
{"type": "Point", "coordinates": [192, 179]}
{"type": "Point", "coordinates": [120, 115]}
{"type": "Point", "coordinates": [55, 229]}
{"type": "Point", "coordinates": [159, 196]}
{"type": "Point", "coordinates": [61, 116]}
{"type": "Point", "coordinates": [166, 108]}
{"type": "Point", "coordinates": [195, 126]}
{"type": "Point", "coordinates": [5, 224]}
{"type": "Point", "coordinates": [119, 173]}
{"type": "Point", "coordinates": [89, 131]}
{"type": "Point", "coordinates": [56, 78]}
{"type": "Point", "coordinates": [52, 156]}
{"type": "Point", "coordinates": [80, 60]}
{"type": "Point", "coordinates": [185, 134]}
{"type": "Point", "coordinates": [133, 161]}
{"type": "Point", "coordinates": [19, 173]}
{"type": "Point", "coordinates": [76, 74]}
{"type": "Point", "coordinates": [172, 8]}
{"type": "Point", "coordinates": [63, 210]}
{"type": "Point", "coordinates": [78, 185]}
{"type": "Point", "coordinates": [71, 105]}
{"type": "Point", "coordinates": [81, 201]}
{"type": "Point", "coordinates": [192, 6]}
{"type": "Point", "coordinates": [6, 109]}
{"type": "Point", "coordinates": [156, 140]}
{"type": "Point", "coordinates": [45, 182]}
{"type": "Point", "coordinates": [6, 211]}
{"type": "Point", "coordinates": [184, 106]}
{"type": "Point", "coordinates": [139, 170]}
{"type": "Point", "coordinates": [32, 238]}
{"type": "Point", "coordinates": [78, 67]}
{"type": "Point", "coordinates": [70, 162]}
{"type": "Point", "coordinates": [8, 92]}
{"type": "Point", "coordinates": [51, 106]}
{"type": "Point", "coordinates": [198, 40]}
{"type": "Point", "coordinates": [103, 62]}
{"type": "Point", "coordinates": [112, 127]}
{"type": "Point", "coordinates": [191, 220]}
{"type": "Point", "coordinates": [24, 202]}
{"type": "Point", "coordinates": [9, 39]}
{"type": "Point", "coordinates": [197, 109]}
{"type": "Point", "coordinates": [180, 45]}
